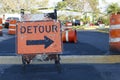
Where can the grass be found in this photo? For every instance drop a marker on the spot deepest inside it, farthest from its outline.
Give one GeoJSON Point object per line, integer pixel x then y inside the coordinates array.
{"type": "Point", "coordinates": [78, 27]}
{"type": "Point", "coordinates": [104, 30]}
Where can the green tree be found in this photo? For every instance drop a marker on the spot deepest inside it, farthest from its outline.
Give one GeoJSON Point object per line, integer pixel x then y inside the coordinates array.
{"type": "Point", "coordinates": [75, 5]}
{"type": "Point", "coordinates": [11, 6]}
{"type": "Point", "coordinates": [79, 5]}
{"type": "Point", "coordinates": [113, 8]}
{"type": "Point", "coordinates": [93, 5]}
{"type": "Point", "coordinates": [105, 20]}
{"type": "Point", "coordinates": [61, 5]}
{"type": "Point", "coordinates": [77, 17]}
{"type": "Point", "coordinates": [62, 17]}
{"type": "Point", "coordinates": [86, 19]}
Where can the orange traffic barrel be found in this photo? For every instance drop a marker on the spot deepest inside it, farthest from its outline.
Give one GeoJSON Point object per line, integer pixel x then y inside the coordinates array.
{"type": "Point", "coordinates": [69, 36]}
{"type": "Point", "coordinates": [67, 28]}
{"type": "Point", "coordinates": [1, 27]}
{"type": "Point", "coordinates": [12, 27]}
{"type": "Point", "coordinates": [114, 34]}
{"type": "Point", "coordinates": [68, 24]}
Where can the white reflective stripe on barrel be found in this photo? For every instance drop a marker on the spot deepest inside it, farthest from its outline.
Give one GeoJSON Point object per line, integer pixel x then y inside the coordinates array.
{"type": "Point", "coordinates": [115, 26]}
{"type": "Point", "coordinates": [67, 35]}
{"type": "Point", "coordinates": [0, 24]}
{"type": "Point", "coordinates": [12, 29]}
{"type": "Point", "coordinates": [69, 24]}
{"type": "Point", "coordinates": [67, 27]}
{"type": "Point", "coordinates": [0, 30]}
{"type": "Point", "coordinates": [12, 25]}
{"type": "Point", "coordinates": [114, 40]}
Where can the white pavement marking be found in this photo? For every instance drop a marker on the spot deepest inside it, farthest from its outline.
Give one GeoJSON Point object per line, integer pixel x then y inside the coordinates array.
{"type": "Point", "coordinates": [65, 59]}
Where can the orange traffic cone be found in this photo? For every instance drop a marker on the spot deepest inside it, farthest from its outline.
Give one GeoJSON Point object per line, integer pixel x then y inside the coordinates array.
{"type": "Point", "coordinates": [1, 27]}
{"type": "Point", "coordinates": [69, 36]}
{"type": "Point", "coordinates": [114, 34]}
{"type": "Point", "coordinates": [12, 27]}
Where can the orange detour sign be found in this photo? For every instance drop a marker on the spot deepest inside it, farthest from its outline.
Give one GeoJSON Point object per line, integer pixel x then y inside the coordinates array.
{"type": "Point", "coordinates": [39, 37]}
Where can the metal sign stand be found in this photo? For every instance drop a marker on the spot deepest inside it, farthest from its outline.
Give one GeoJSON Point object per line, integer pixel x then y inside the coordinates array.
{"type": "Point", "coordinates": [26, 58]}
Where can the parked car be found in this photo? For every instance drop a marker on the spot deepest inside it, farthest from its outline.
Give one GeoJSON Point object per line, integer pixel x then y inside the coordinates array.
{"type": "Point", "coordinates": [6, 25]}
{"type": "Point", "coordinates": [76, 22]}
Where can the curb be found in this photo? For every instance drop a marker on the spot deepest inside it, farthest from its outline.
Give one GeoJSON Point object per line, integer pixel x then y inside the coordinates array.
{"type": "Point", "coordinates": [110, 59]}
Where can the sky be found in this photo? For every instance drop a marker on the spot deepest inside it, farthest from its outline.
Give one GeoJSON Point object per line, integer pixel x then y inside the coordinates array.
{"type": "Point", "coordinates": [110, 1]}
{"type": "Point", "coordinates": [103, 6]}
{"type": "Point", "coordinates": [53, 2]}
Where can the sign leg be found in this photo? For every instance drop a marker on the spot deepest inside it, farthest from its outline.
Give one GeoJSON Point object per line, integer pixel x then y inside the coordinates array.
{"type": "Point", "coordinates": [57, 63]}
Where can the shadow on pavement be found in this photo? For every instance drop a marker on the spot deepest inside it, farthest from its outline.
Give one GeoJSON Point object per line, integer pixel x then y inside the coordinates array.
{"type": "Point", "coordinates": [81, 49]}
{"type": "Point", "coordinates": [49, 72]}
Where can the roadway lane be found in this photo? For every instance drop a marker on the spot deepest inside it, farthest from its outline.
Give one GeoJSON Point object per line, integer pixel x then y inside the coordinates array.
{"type": "Point", "coordinates": [69, 72]}
{"type": "Point", "coordinates": [89, 43]}
{"type": "Point", "coordinates": [7, 44]}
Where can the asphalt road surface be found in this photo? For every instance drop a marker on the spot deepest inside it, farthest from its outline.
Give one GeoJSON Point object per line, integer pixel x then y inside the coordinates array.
{"type": "Point", "coordinates": [89, 43]}
{"type": "Point", "coordinates": [69, 72]}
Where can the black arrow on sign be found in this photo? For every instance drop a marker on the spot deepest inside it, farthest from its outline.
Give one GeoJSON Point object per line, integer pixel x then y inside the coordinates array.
{"type": "Point", "coordinates": [47, 42]}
